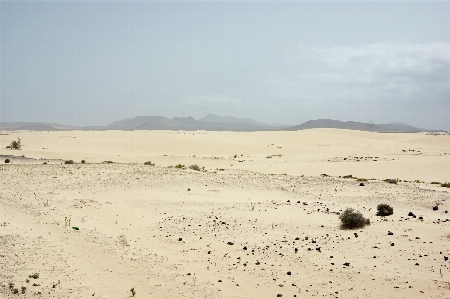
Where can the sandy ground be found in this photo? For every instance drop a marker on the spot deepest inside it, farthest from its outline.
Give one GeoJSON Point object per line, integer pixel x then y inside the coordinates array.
{"type": "Point", "coordinates": [259, 228]}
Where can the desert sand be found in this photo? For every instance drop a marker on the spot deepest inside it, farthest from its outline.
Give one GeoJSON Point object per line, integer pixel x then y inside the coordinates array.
{"type": "Point", "coordinates": [259, 220]}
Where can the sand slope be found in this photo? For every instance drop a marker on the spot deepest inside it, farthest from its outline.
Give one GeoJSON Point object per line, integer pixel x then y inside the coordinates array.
{"type": "Point", "coordinates": [236, 233]}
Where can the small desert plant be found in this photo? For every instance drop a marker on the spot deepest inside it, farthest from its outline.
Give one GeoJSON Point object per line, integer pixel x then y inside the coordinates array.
{"type": "Point", "coordinates": [68, 162]}
{"type": "Point", "coordinates": [194, 167]}
{"type": "Point", "coordinates": [83, 161]}
{"type": "Point", "coordinates": [348, 176]}
{"type": "Point", "coordinates": [447, 185]}
{"type": "Point", "coordinates": [133, 292]}
{"type": "Point", "coordinates": [7, 160]}
{"type": "Point", "coordinates": [23, 289]}
{"type": "Point", "coordinates": [391, 181]}
{"type": "Point", "coordinates": [108, 162]}
{"type": "Point", "coordinates": [35, 276]}
{"type": "Point", "coordinates": [362, 180]}
{"type": "Point", "coordinates": [351, 219]}
{"type": "Point", "coordinates": [384, 210]}
{"type": "Point", "coordinates": [179, 166]}
{"type": "Point", "coordinates": [16, 145]}
{"type": "Point", "coordinates": [149, 163]}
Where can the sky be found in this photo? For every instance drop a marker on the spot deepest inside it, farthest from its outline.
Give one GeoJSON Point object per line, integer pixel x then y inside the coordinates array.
{"type": "Point", "coordinates": [278, 62]}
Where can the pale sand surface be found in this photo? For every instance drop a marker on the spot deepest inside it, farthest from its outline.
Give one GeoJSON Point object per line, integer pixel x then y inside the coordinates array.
{"type": "Point", "coordinates": [130, 216]}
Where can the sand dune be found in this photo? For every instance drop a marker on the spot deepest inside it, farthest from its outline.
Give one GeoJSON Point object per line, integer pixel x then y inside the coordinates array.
{"type": "Point", "coordinates": [247, 226]}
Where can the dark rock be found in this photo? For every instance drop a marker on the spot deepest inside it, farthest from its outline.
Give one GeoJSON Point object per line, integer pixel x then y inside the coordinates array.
{"type": "Point", "coordinates": [295, 249]}
{"type": "Point", "coordinates": [180, 239]}
{"type": "Point", "coordinates": [288, 273]}
{"type": "Point", "coordinates": [346, 264]}
{"type": "Point", "coordinates": [361, 184]}
{"type": "Point", "coordinates": [279, 295]}
{"type": "Point", "coordinates": [245, 248]}
{"type": "Point", "coordinates": [445, 258]}
{"type": "Point", "coordinates": [390, 233]}
{"type": "Point", "coordinates": [435, 208]}
{"type": "Point", "coordinates": [7, 160]}
{"type": "Point", "coordinates": [230, 243]}
{"type": "Point", "coordinates": [392, 244]}
{"type": "Point", "coordinates": [421, 218]}
{"type": "Point", "coordinates": [417, 264]}
{"type": "Point", "coordinates": [189, 189]}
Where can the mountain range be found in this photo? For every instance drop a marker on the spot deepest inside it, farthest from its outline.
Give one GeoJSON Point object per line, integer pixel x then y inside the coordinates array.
{"type": "Point", "coordinates": [211, 122]}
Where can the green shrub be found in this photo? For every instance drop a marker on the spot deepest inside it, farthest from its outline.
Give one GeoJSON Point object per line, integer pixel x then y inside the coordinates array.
{"type": "Point", "coordinates": [445, 185]}
{"type": "Point", "coordinates": [68, 162]}
{"type": "Point", "coordinates": [384, 210]}
{"type": "Point", "coordinates": [17, 145]}
{"type": "Point", "coordinates": [351, 219]}
{"type": "Point", "coordinates": [83, 161]}
{"type": "Point", "coordinates": [133, 292]}
{"type": "Point", "coordinates": [179, 166]}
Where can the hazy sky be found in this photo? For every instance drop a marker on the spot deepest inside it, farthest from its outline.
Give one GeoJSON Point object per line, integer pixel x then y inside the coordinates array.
{"type": "Point", "coordinates": [94, 62]}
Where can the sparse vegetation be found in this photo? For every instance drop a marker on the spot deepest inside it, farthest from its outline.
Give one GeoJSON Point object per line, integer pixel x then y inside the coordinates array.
{"type": "Point", "coordinates": [447, 185]}
{"type": "Point", "coordinates": [391, 181]}
{"type": "Point", "coordinates": [23, 289]}
{"type": "Point", "coordinates": [348, 176]}
{"type": "Point", "coordinates": [16, 145]}
{"type": "Point", "coordinates": [108, 162]}
{"type": "Point", "coordinates": [362, 180]}
{"type": "Point", "coordinates": [353, 219]}
{"type": "Point", "coordinates": [384, 210]}
{"type": "Point", "coordinates": [68, 162]}
{"type": "Point", "coordinates": [7, 160]}
{"type": "Point", "coordinates": [179, 166]}
{"type": "Point", "coordinates": [83, 161]}
{"type": "Point", "coordinates": [133, 292]}
{"type": "Point", "coordinates": [35, 276]}
{"type": "Point", "coordinates": [149, 163]}
{"type": "Point", "coordinates": [194, 167]}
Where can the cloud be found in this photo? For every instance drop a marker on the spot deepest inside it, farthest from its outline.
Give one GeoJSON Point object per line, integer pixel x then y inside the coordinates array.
{"type": "Point", "coordinates": [376, 73]}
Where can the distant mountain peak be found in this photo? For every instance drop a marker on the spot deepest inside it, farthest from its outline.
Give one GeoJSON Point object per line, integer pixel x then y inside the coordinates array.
{"type": "Point", "coordinates": [352, 125]}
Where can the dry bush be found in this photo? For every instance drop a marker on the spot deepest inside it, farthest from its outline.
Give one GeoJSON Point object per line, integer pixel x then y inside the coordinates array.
{"type": "Point", "coordinates": [352, 219]}
{"type": "Point", "coordinates": [194, 167]}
